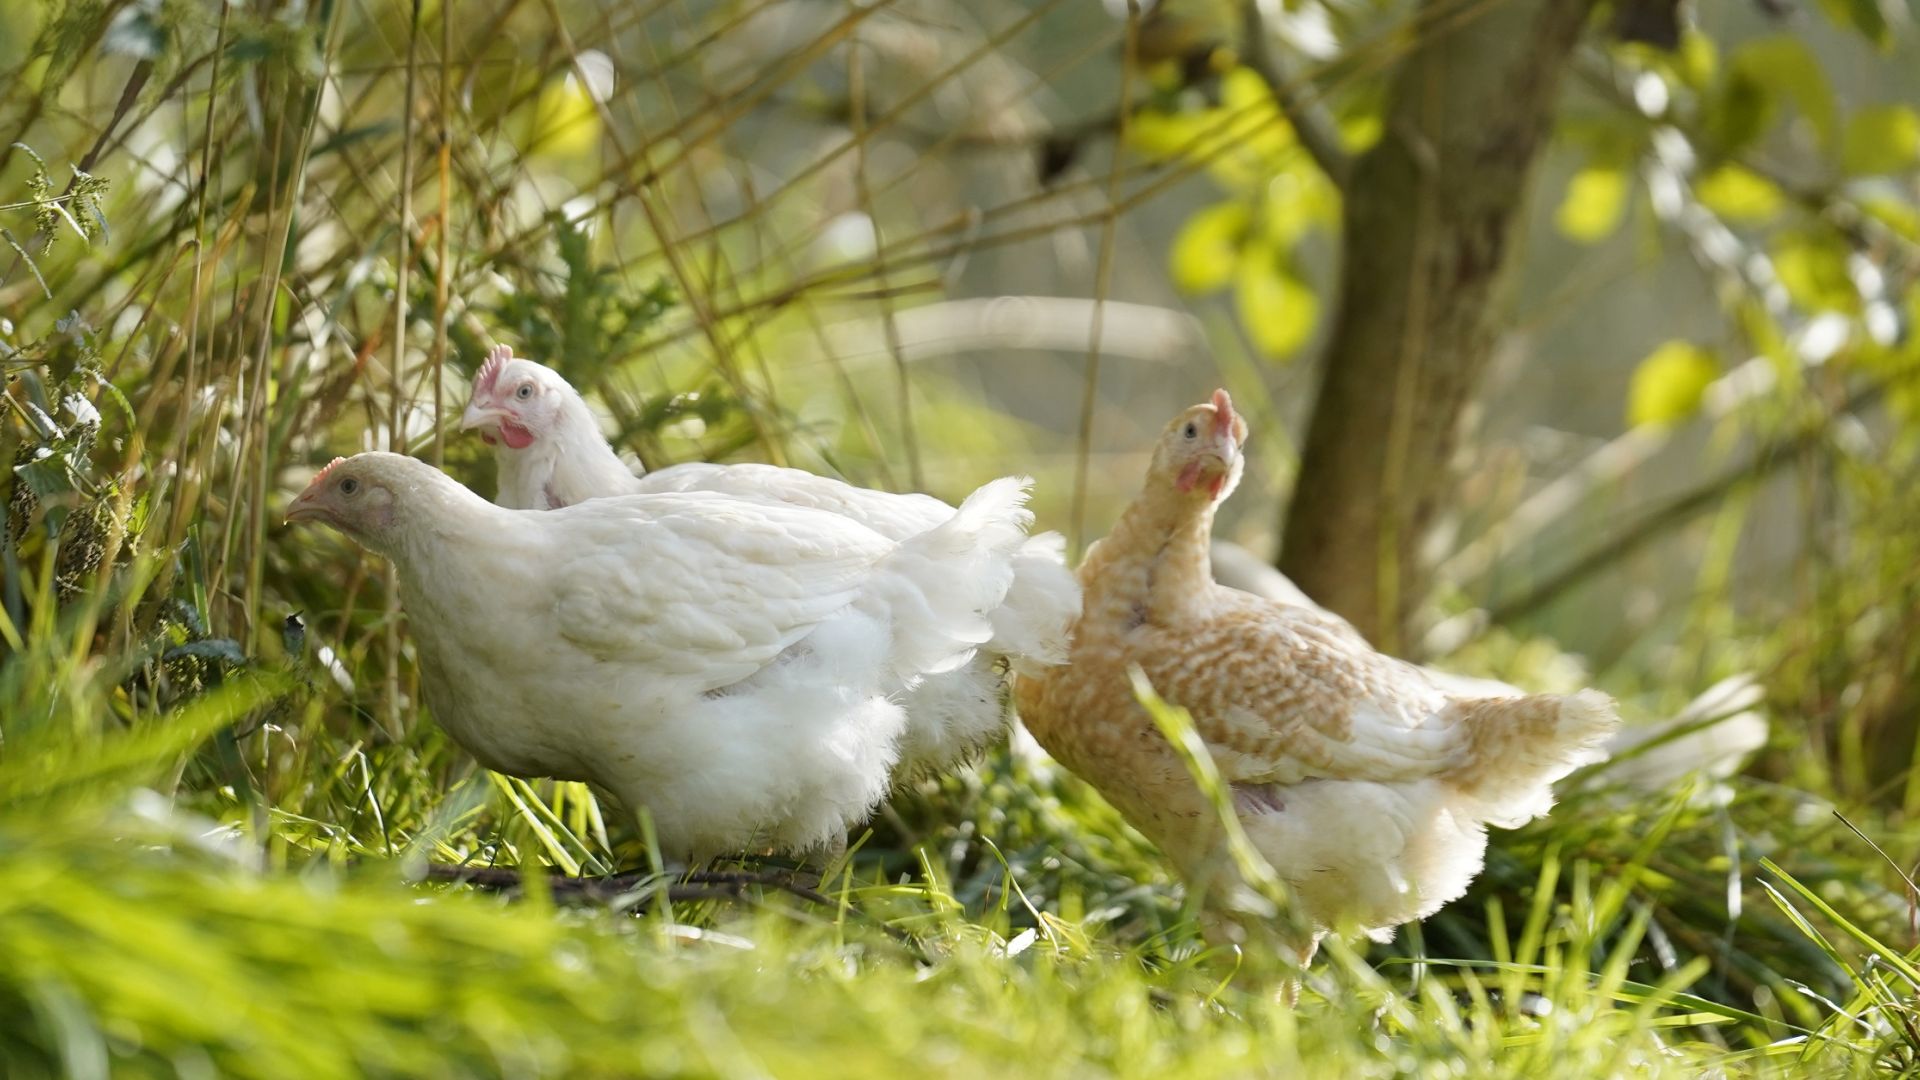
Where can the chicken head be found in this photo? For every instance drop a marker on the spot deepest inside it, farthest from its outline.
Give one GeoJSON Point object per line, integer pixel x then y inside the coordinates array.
{"type": "Point", "coordinates": [516, 402]}
{"type": "Point", "coordinates": [1199, 452]}
{"type": "Point", "coordinates": [362, 496]}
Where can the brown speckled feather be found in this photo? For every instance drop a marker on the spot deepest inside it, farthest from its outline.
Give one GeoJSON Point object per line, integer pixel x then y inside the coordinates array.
{"type": "Point", "coordinates": [1364, 784]}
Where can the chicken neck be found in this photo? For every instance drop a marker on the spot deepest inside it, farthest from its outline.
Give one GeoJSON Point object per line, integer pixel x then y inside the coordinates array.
{"type": "Point", "coordinates": [571, 465]}
{"type": "Point", "coordinates": [1155, 565]}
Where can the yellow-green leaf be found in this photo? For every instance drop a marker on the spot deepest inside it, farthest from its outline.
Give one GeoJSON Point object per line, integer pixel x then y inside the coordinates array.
{"type": "Point", "coordinates": [1360, 131]}
{"type": "Point", "coordinates": [1244, 88]}
{"type": "Point", "coordinates": [1670, 383]}
{"type": "Point", "coordinates": [1739, 194]}
{"type": "Point", "coordinates": [1207, 248]}
{"type": "Point", "coordinates": [1596, 200]}
{"type": "Point", "coordinates": [1896, 214]}
{"type": "Point", "coordinates": [1865, 16]}
{"type": "Point", "coordinates": [1696, 58]}
{"type": "Point", "coordinates": [1812, 267]}
{"type": "Point", "coordinates": [1783, 63]}
{"type": "Point", "coordinates": [1160, 135]}
{"type": "Point", "coordinates": [1738, 110]}
{"type": "Point", "coordinates": [1881, 139]}
{"type": "Point", "coordinates": [1278, 309]}
{"type": "Point", "coordinates": [1296, 201]}
{"type": "Point", "coordinates": [566, 122]}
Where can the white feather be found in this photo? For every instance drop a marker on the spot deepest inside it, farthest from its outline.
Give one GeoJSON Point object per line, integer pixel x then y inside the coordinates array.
{"type": "Point", "coordinates": [732, 666]}
{"type": "Point", "coordinates": [949, 714]}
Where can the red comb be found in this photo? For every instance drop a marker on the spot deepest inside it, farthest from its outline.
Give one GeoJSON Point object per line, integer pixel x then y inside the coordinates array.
{"type": "Point", "coordinates": [1223, 408]}
{"type": "Point", "coordinates": [322, 474]}
{"type": "Point", "coordinates": [497, 358]}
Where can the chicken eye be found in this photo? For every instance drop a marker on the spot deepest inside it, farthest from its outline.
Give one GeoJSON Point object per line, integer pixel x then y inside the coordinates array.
{"type": "Point", "coordinates": [1192, 429]}
{"type": "Point", "coordinates": [348, 485]}
{"type": "Point", "coordinates": [525, 391]}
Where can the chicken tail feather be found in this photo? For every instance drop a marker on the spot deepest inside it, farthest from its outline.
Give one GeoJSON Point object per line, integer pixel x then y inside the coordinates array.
{"type": "Point", "coordinates": [942, 586]}
{"type": "Point", "coordinates": [1031, 629]}
{"type": "Point", "coordinates": [1516, 747]}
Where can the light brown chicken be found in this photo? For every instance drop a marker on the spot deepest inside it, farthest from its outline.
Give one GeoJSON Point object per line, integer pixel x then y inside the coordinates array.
{"type": "Point", "coordinates": [1366, 787]}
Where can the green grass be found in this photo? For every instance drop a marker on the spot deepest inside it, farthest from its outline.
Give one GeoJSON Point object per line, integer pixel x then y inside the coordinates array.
{"type": "Point", "coordinates": [1000, 922]}
{"type": "Point", "coordinates": [213, 826]}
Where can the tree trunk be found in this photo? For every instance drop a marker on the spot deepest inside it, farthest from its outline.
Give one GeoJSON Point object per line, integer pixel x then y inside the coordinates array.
{"type": "Point", "coordinates": [1430, 214]}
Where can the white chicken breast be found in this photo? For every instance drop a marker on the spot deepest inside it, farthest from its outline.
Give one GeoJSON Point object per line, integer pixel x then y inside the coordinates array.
{"type": "Point", "coordinates": [551, 454]}
{"type": "Point", "coordinates": [729, 665]}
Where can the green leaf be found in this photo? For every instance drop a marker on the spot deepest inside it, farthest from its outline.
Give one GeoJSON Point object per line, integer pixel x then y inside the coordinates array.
{"type": "Point", "coordinates": [21, 250]}
{"type": "Point", "coordinates": [1738, 111]}
{"type": "Point", "coordinates": [1670, 383]}
{"type": "Point", "coordinates": [1881, 139]}
{"type": "Point", "coordinates": [1783, 64]}
{"type": "Point", "coordinates": [1207, 248]}
{"type": "Point", "coordinates": [1595, 202]}
{"type": "Point", "coordinates": [1812, 266]}
{"type": "Point", "coordinates": [1898, 215]}
{"type": "Point", "coordinates": [1277, 308]}
{"type": "Point", "coordinates": [1739, 194]}
{"type": "Point", "coordinates": [1864, 16]}
{"type": "Point", "coordinates": [1696, 59]}
{"type": "Point", "coordinates": [1297, 201]}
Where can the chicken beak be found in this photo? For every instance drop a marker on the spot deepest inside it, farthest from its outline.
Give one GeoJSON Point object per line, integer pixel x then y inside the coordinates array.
{"type": "Point", "coordinates": [481, 416]}
{"type": "Point", "coordinates": [305, 508]}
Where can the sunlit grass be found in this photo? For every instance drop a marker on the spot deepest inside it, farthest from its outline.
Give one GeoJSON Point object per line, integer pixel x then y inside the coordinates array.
{"type": "Point", "coordinates": [215, 824]}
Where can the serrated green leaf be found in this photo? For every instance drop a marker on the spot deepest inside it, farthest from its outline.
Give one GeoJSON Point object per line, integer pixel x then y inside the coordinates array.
{"type": "Point", "coordinates": [1207, 248]}
{"type": "Point", "coordinates": [119, 399]}
{"type": "Point", "coordinates": [46, 477]}
{"type": "Point", "coordinates": [1595, 203]}
{"type": "Point", "coordinates": [1739, 194]}
{"type": "Point", "coordinates": [21, 250]}
{"type": "Point", "coordinates": [1881, 139]}
{"type": "Point", "coordinates": [1670, 384]}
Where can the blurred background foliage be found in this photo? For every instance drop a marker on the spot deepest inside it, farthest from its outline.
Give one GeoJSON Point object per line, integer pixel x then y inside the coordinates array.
{"type": "Point", "coordinates": [920, 245]}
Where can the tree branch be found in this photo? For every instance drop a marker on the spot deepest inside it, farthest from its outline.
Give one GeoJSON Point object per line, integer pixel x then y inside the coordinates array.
{"type": "Point", "coordinates": [1682, 508]}
{"type": "Point", "coordinates": [1297, 98]}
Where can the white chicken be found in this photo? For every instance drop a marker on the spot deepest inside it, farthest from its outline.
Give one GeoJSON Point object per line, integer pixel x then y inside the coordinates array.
{"type": "Point", "coordinates": [730, 665]}
{"type": "Point", "coordinates": [551, 453]}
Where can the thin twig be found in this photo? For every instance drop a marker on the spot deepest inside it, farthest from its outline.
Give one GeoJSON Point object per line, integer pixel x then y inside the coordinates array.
{"type": "Point", "coordinates": [1103, 279]}
{"type": "Point", "coordinates": [396, 437]}
{"type": "Point", "coordinates": [441, 283]}
{"type": "Point", "coordinates": [890, 326]}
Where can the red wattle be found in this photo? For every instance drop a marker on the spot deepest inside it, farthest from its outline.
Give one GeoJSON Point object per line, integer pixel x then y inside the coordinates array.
{"type": "Point", "coordinates": [514, 435]}
{"type": "Point", "coordinates": [1188, 477]}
